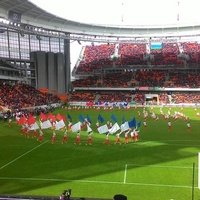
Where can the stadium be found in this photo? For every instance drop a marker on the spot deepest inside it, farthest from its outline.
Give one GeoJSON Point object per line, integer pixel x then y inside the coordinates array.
{"type": "Point", "coordinates": [121, 123]}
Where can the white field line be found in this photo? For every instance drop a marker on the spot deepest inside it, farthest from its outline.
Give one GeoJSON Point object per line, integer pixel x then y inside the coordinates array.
{"type": "Point", "coordinates": [125, 173]}
{"type": "Point", "coordinates": [22, 155]}
{"type": "Point", "coordinates": [98, 182]}
{"type": "Point", "coordinates": [163, 166]}
{"type": "Point", "coordinates": [158, 166]}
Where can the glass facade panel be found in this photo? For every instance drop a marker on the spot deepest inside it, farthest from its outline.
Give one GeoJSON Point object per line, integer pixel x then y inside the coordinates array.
{"type": "Point", "coordinates": [45, 44]}
{"type": "Point", "coordinates": [19, 45]}
{"type": "Point", "coordinates": [54, 44]}
{"type": "Point", "coordinates": [14, 44]}
{"type": "Point", "coordinates": [24, 46]}
{"type": "Point", "coordinates": [4, 45]}
{"type": "Point", "coordinates": [35, 45]}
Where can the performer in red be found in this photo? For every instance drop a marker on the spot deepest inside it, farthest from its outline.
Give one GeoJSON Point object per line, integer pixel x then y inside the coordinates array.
{"type": "Point", "coordinates": [28, 132]}
{"type": "Point", "coordinates": [34, 133]}
{"type": "Point", "coordinates": [40, 139]}
{"type": "Point", "coordinates": [97, 125]}
{"type": "Point", "coordinates": [70, 126]}
{"type": "Point", "coordinates": [23, 129]}
{"type": "Point", "coordinates": [78, 138]}
{"type": "Point", "coordinates": [133, 135]}
{"type": "Point", "coordinates": [9, 122]}
{"type": "Point", "coordinates": [169, 126]}
{"type": "Point", "coordinates": [107, 141]}
{"type": "Point", "coordinates": [188, 126]}
{"type": "Point", "coordinates": [136, 134]}
{"type": "Point", "coordinates": [89, 141]}
{"type": "Point", "coordinates": [53, 137]}
{"type": "Point", "coordinates": [126, 138]}
{"type": "Point", "coordinates": [65, 137]}
{"type": "Point", "coordinates": [118, 139]}
{"type": "Point", "coordinates": [145, 125]}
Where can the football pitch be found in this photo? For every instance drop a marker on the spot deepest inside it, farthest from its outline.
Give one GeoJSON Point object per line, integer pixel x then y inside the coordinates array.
{"type": "Point", "coordinates": [162, 165]}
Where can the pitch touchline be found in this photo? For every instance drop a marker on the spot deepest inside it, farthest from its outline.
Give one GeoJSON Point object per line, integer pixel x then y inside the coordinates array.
{"type": "Point", "coordinates": [22, 155]}
{"type": "Point", "coordinates": [103, 182]}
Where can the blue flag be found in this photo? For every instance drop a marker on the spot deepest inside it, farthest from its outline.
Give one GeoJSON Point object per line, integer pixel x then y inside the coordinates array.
{"type": "Point", "coordinates": [69, 117]}
{"type": "Point", "coordinates": [121, 105]}
{"type": "Point", "coordinates": [89, 120]}
{"type": "Point", "coordinates": [114, 105]}
{"type": "Point", "coordinates": [132, 123]}
{"type": "Point", "coordinates": [114, 118]}
{"type": "Point", "coordinates": [100, 118]}
{"type": "Point", "coordinates": [139, 124]}
{"type": "Point", "coordinates": [81, 118]}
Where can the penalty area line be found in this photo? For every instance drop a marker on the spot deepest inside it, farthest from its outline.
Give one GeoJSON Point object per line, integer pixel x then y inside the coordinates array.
{"type": "Point", "coordinates": [23, 155]}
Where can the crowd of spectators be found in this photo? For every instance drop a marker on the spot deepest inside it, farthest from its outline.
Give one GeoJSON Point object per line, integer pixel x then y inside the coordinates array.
{"type": "Point", "coordinates": [86, 82]}
{"type": "Point", "coordinates": [115, 97]}
{"type": "Point", "coordinates": [167, 55]}
{"type": "Point", "coordinates": [192, 49]}
{"type": "Point", "coordinates": [131, 54]}
{"type": "Point", "coordinates": [82, 96]}
{"type": "Point", "coordinates": [185, 97]}
{"type": "Point", "coordinates": [122, 79]}
{"type": "Point", "coordinates": [100, 56]}
{"type": "Point", "coordinates": [142, 78]}
{"type": "Point", "coordinates": [186, 80]}
{"type": "Point", "coordinates": [153, 78]}
{"type": "Point", "coordinates": [18, 96]}
{"type": "Point", "coordinates": [162, 98]}
{"type": "Point", "coordinates": [96, 57]}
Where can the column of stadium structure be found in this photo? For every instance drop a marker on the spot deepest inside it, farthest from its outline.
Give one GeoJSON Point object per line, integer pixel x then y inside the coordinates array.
{"type": "Point", "coordinates": [52, 79]}
{"type": "Point", "coordinates": [67, 65]}
{"type": "Point", "coordinates": [41, 68]}
{"type": "Point", "coordinates": [61, 76]}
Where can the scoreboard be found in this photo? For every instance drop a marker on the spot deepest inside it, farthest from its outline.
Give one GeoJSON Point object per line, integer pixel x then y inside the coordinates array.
{"type": "Point", "coordinates": [156, 45]}
{"type": "Point", "coordinates": [14, 16]}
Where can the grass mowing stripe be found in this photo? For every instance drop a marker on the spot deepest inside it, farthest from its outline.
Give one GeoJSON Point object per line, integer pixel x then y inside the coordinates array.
{"type": "Point", "coordinates": [22, 155]}
{"type": "Point", "coordinates": [103, 182]}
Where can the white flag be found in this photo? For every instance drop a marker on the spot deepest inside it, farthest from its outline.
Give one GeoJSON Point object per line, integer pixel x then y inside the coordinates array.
{"type": "Point", "coordinates": [76, 127]}
{"type": "Point", "coordinates": [103, 129]}
{"type": "Point", "coordinates": [124, 126]}
{"type": "Point", "coordinates": [34, 126]}
{"type": "Point", "coordinates": [60, 125]}
{"type": "Point", "coordinates": [46, 124]}
{"type": "Point", "coordinates": [88, 128]}
{"type": "Point", "coordinates": [114, 128]}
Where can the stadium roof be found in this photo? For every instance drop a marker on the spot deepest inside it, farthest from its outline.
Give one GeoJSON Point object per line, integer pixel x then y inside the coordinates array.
{"type": "Point", "coordinates": [33, 15]}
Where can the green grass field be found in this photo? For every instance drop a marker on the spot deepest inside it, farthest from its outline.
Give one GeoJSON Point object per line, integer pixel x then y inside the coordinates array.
{"type": "Point", "coordinates": [157, 167]}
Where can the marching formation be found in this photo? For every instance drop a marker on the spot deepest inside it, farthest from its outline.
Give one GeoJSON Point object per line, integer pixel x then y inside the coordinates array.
{"type": "Point", "coordinates": [129, 130]}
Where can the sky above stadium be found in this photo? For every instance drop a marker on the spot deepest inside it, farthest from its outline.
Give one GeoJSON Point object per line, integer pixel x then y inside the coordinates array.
{"type": "Point", "coordinates": [124, 12]}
